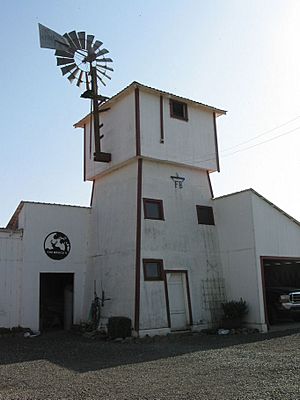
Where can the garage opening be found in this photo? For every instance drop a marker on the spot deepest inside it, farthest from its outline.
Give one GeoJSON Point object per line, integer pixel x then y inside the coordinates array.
{"type": "Point", "coordinates": [56, 301]}
{"type": "Point", "coordinates": [282, 289]}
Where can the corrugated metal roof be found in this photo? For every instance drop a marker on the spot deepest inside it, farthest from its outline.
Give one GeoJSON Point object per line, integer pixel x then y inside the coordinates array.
{"type": "Point", "coordinates": [264, 199]}
{"type": "Point", "coordinates": [134, 85]}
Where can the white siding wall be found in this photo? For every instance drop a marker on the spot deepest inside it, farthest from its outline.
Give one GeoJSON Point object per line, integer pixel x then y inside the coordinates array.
{"type": "Point", "coordinates": [10, 277]}
{"type": "Point", "coordinates": [113, 229]}
{"type": "Point", "coordinates": [180, 241]}
{"type": "Point", "coordinates": [39, 221]}
{"type": "Point", "coordinates": [249, 227]}
{"type": "Point", "coordinates": [119, 136]}
{"type": "Point", "coordinates": [275, 234]}
{"type": "Point", "coordinates": [189, 142]}
{"type": "Point", "coordinates": [234, 220]}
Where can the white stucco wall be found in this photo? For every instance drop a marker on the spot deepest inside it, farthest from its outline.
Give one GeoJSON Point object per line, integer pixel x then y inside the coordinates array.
{"type": "Point", "coordinates": [119, 136]}
{"type": "Point", "coordinates": [112, 241]}
{"type": "Point", "coordinates": [189, 142]}
{"type": "Point", "coordinates": [38, 221]}
{"type": "Point", "coordinates": [11, 252]}
{"type": "Point", "coordinates": [180, 241]}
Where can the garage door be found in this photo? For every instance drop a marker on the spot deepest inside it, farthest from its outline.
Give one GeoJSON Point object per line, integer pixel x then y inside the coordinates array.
{"type": "Point", "coordinates": [281, 279]}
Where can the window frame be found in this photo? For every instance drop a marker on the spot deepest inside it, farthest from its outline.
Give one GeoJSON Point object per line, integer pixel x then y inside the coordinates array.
{"type": "Point", "coordinates": [160, 264]}
{"type": "Point", "coordinates": [211, 217]}
{"type": "Point", "coordinates": [160, 208]}
{"type": "Point", "coordinates": [176, 116]}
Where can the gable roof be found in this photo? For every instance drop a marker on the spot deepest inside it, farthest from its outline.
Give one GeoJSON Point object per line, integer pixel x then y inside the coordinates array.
{"type": "Point", "coordinates": [264, 199]}
{"type": "Point", "coordinates": [149, 89]}
{"type": "Point", "coordinates": [13, 222]}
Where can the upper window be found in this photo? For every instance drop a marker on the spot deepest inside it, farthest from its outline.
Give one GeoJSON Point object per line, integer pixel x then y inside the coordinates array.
{"type": "Point", "coordinates": [153, 209]}
{"type": "Point", "coordinates": [178, 110]}
{"type": "Point", "coordinates": [153, 270]}
{"type": "Point", "coordinates": [205, 215]}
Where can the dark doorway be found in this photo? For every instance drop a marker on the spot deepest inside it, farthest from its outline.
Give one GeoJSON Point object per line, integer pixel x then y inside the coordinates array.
{"type": "Point", "coordinates": [56, 300]}
{"type": "Point", "coordinates": [281, 278]}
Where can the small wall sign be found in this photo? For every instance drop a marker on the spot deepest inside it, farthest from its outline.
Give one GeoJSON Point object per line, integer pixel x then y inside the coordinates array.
{"type": "Point", "coordinates": [178, 181]}
{"type": "Point", "coordinates": [57, 245]}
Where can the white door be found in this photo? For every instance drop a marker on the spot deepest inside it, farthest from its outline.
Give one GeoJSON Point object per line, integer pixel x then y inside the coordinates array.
{"type": "Point", "coordinates": [177, 300]}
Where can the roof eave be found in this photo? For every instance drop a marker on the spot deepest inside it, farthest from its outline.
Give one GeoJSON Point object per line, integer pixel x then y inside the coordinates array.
{"type": "Point", "coordinates": [218, 112]}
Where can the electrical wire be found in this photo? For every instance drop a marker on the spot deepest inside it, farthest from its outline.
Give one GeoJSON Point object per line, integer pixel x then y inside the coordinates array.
{"type": "Point", "coordinates": [262, 134]}
{"type": "Point", "coordinates": [246, 148]}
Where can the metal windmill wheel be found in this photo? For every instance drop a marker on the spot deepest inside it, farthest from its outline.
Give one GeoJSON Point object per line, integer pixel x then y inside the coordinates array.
{"type": "Point", "coordinates": [82, 60]}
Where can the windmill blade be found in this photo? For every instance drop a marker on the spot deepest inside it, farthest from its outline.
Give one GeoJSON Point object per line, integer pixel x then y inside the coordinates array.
{"type": "Point", "coordinates": [104, 74]}
{"type": "Point", "coordinates": [105, 60]}
{"type": "Point", "coordinates": [89, 41]}
{"type": "Point", "coordinates": [63, 53]}
{"type": "Point", "coordinates": [72, 75]}
{"type": "Point", "coordinates": [63, 61]}
{"type": "Point", "coordinates": [101, 80]}
{"type": "Point", "coordinates": [97, 44]}
{"type": "Point", "coordinates": [69, 39]}
{"type": "Point", "coordinates": [79, 82]}
{"type": "Point", "coordinates": [68, 68]}
{"type": "Point", "coordinates": [74, 37]}
{"type": "Point", "coordinates": [105, 67]}
{"type": "Point", "coordinates": [102, 52]}
{"type": "Point", "coordinates": [87, 81]}
{"type": "Point", "coordinates": [81, 37]}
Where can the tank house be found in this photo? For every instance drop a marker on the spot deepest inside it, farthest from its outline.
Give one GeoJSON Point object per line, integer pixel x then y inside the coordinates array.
{"type": "Point", "coordinates": [163, 251]}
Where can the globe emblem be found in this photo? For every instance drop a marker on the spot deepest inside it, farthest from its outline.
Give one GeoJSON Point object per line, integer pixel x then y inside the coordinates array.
{"type": "Point", "coordinates": [57, 245]}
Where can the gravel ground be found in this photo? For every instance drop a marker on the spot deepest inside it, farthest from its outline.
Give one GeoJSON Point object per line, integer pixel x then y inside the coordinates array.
{"type": "Point", "coordinates": [68, 366]}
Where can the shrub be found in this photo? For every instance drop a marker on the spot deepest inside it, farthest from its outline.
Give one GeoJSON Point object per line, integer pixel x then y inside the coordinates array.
{"type": "Point", "coordinates": [235, 309]}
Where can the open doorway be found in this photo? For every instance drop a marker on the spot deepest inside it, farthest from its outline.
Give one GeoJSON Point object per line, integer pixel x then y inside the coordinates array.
{"type": "Point", "coordinates": [56, 301]}
{"type": "Point", "coordinates": [281, 277]}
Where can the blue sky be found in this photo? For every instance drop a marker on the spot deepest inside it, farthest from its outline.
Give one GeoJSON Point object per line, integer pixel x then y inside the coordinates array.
{"type": "Point", "coordinates": [242, 56]}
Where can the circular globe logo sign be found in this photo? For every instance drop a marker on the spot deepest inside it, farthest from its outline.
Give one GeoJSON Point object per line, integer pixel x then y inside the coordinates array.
{"type": "Point", "coordinates": [57, 245]}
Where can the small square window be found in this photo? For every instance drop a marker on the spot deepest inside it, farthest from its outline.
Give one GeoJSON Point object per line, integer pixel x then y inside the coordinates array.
{"type": "Point", "coordinates": [153, 270]}
{"type": "Point", "coordinates": [153, 209]}
{"type": "Point", "coordinates": [178, 110]}
{"type": "Point", "coordinates": [205, 215]}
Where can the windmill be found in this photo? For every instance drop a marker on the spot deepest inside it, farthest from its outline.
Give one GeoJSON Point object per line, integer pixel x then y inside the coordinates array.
{"type": "Point", "coordinates": [83, 61]}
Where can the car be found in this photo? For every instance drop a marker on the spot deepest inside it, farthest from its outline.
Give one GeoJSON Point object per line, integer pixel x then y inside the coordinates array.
{"type": "Point", "coordinates": [283, 303]}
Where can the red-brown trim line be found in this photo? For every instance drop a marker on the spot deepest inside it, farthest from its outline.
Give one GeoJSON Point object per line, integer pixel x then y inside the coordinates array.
{"type": "Point", "coordinates": [167, 300]}
{"type": "Point", "coordinates": [92, 194]}
{"type": "Point", "coordinates": [138, 244]}
{"type": "Point", "coordinates": [216, 143]}
{"type": "Point", "coordinates": [162, 133]}
{"type": "Point", "coordinates": [137, 121]}
{"type": "Point", "coordinates": [210, 185]}
{"type": "Point", "coordinates": [183, 271]}
{"type": "Point", "coordinates": [84, 152]}
{"type": "Point", "coordinates": [263, 282]}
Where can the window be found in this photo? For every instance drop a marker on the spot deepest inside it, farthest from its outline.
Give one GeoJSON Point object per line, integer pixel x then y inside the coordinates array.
{"type": "Point", "coordinates": [205, 215]}
{"type": "Point", "coordinates": [153, 270]}
{"type": "Point", "coordinates": [178, 110]}
{"type": "Point", "coordinates": [153, 209]}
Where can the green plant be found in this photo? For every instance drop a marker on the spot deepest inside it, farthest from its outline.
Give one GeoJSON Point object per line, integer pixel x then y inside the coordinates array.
{"type": "Point", "coordinates": [235, 309]}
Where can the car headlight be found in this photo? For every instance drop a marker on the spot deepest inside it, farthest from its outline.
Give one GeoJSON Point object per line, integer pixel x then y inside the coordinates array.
{"type": "Point", "coordinates": [284, 298]}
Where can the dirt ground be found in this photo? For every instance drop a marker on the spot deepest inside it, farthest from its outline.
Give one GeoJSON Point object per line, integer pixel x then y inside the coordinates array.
{"type": "Point", "coordinates": [68, 366]}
